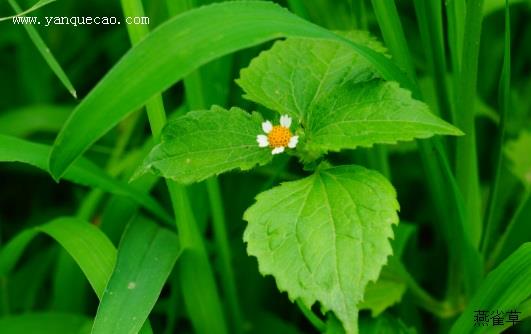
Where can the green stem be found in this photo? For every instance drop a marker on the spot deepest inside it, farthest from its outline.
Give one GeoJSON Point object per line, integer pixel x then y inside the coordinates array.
{"type": "Point", "coordinates": [222, 242]}
{"type": "Point", "coordinates": [491, 225]}
{"type": "Point", "coordinates": [456, 14]}
{"type": "Point", "coordinates": [197, 278]}
{"type": "Point", "coordinates": [391, 28]}
{"type": "Point", "coordinates": [197, 99]}
{"type": "Point", "coordinates": [424, 299]}
{"type": "Point", "coordinates": [517, 232]}
{"type": "Point", "coordinates": [465, 93]}
{"type": "Point", "coordinates": [429, 17]}
{"type": "Point", "coordinates": [312, 318]}
{"type": "Point", "coordinates": [441, 184]}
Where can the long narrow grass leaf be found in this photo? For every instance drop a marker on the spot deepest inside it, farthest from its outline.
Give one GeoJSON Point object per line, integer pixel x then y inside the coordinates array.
{"type": "Point", "coordinates": [491, 225]}
{"type": "Point", "coordinates": [45, 323]}
{"type": "Point", "coordinates": [504, 289]}
{"type": "Point", "coordinates": [467, 173]}
{"type": "Point", "coordinates": [197, 277]}
{"type": "Point", "coordinates": [87, 245]}
{"type": "Point", "coordinates": [146, 256]}
{"type": "Point", "coordinates": [20, 12]}
{"type": "Point", "coordinates": [45, 51]}
{"type": "Point", "coordinates": [83, 172]}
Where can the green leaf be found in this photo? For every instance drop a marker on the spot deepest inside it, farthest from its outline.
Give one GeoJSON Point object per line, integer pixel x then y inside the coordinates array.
{"type": "Point", "coordinates": [385, 324]}
{"type": "Point", "coordinates": [45, 323]}
{"type": "Point", "coordinates": [337, 96]}
{"type": "Point", "coordinates": [294, 75]}
{"type": "Point", "coordinates": [83, 172]}
{"type": "Point", "coordinates": [385, 292]}
{"type": "Point", "coordinates": [36, 6]}
{"type": "Point", "coordinates": [390, 286]}
{"type": "Point", "coordinates": [372, 112]}
{"type": "Point", "coordinates": [41, 45]}
{"type": "Point", "coordinates": [325, 237]}
{"type": "Point", "coordinates": [146, 257]}
{"type": "Point", "coordinates": [504, 289]}
{"type": "Point", "coordinates": [176, 48]}
{"type": "Point", "coordinates": [520, 159]}
{"type": "Point", "coordinates": [206, 143]}
{"type": "Point", "coordinates": [87, 245]}
{"type": "Point", "coordinates": [28, 120]}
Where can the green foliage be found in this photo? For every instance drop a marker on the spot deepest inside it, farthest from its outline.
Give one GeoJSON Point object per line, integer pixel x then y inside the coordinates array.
{"type": "Point", "coordinates": [83, 171]}
{"type": "Point", "coordinates": [336, 95]}
{"type": "Point", "coordinates": [45, 323]}
{"type": "Point", "coordinates": [321, 239]}
{"type": "Point", "coordinates": [321, 227]}
{"type": "Point", "coordinates": [281, 80]}
{"type": "Point", "coordinates": [162, 59]}
{"type": "Point", "coordinates": [145, 259]}
{"type": "Point", "coordinates": [89, 247]}
{"type": "Point", "coordinates": [23, 122]}
{"type": "Point", "coordinates": [519, 157]}
{"type": "Point", "coordinates": [390, 286]}
{"type": "Point", "coordinates": [385, 325]}
{"type": "Point", "coordinates": [41, 46]}
{"type": "Point", "coordinates": [202, 144]}
{"type": "Point", "coordinates": [505, 288]}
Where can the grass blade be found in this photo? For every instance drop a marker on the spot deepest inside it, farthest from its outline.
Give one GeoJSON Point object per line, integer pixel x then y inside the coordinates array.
{"type": "Point", "coordinates": [45, 323]}
{"type": "Point", "coordinates": [146, 257]}
{"type": "Point", "coordinates": [517, 232]}
{"type": "Point", "coordinates": [83, 172]}
{"type": "Point", "coordinates": [89, 247]}
{"type": "Point", "coordinates": [429, 16]}
{"type": "Point", "coordinates": [504, 289]}
{"type": "Point", "coordinates": [441, 183]}
{"type": "Point", "coordinates": [160, 60]}
{"type": "Point", "coordinates": [24, 121]}
{"type": "Point", "coordinates": [36, 6]}
{"type": "Point", "coordinates": [196, 275]}
{"type": "Point", "coordinates": [43, 49]}
{"type": "Point", "coordinates": [390, 25]}
{"type": "Point", "coordinates": [465, 96]}
{"type": "Point", "coordinates": [491, 225]}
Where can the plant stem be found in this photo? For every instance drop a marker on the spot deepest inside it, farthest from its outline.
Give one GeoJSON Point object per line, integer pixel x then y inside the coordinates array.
{"type": "Point", "coordinates": [390, 25]}
{"type": "Point", "coordinates": [424, 299]}
{"type": "Point", "coordinates": [441, 184]}
{"type": "Point", "coordinates": [429, 17]}
{"type": "Point", "coordinates": [222, 242]}
{"type": "Point", "coordinates": [197, 278]}
{"type": "Point", "coordinates": [517, 232]}
{"type": "Point", "coordinates": [505, 91]}
{"type": "Point", "coordinates": [465, 96]}
{"type": "Point", "coordinates": [197, 98]}
{"type": "Point", "coordinates": [314, 320]}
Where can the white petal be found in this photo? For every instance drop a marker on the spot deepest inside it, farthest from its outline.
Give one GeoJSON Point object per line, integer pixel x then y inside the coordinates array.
{"type": "Point", "coordinates": [267, 126]}
{"type": "Point", "coordinates": [285, 121]}
{"type": "Point", "coordinates": [293, 141]}
{"type": "Point", "coordinates": [262, 140]}
{"type": "Point", "coordinates": [278, 150]}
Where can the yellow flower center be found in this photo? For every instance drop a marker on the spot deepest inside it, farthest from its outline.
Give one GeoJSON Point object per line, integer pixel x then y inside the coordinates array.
{"type": "Point", "coordinates": [279, 136]}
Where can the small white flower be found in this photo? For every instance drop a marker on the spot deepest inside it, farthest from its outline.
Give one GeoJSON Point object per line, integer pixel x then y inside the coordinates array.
{"type": "Point", "coordinates": [277, 137]}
